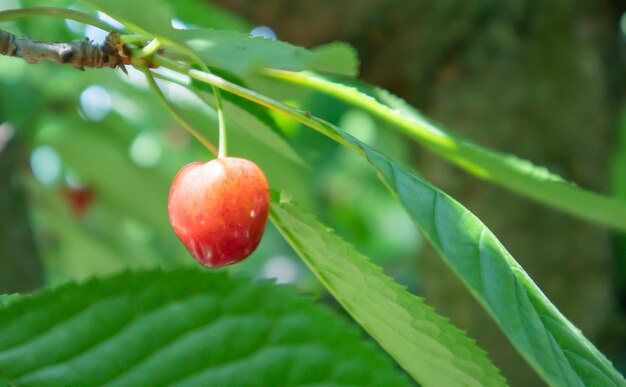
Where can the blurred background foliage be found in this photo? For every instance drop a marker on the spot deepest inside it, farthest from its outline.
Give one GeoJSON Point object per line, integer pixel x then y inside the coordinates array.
{"type": "Point", "coordinates": [86, 159]}
{"type": "Point", "coordinates": [101, 153]}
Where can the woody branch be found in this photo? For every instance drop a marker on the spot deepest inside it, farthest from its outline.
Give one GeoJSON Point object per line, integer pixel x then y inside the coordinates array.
{"type": "Point", "coordinates": [79, 53]}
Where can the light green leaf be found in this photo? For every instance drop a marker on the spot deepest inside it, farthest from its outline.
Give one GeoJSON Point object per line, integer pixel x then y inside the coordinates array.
{"type": "Point", "coordinates": [518, 175]}
{"type": "Point", "coordinates": [206, 14]}
{"type": "Point", "coordinates": [93, 139]}
{"type": "Point", "coordinates": [235, 51]}
{"type": "Point", "coordinates": [425, 344]}
{"type": "Point", "coordinates": [240, 53]}
{"type": "Point", "coordinates": [146, 16]}
{"type": "Point", "coordinates": [184, 327]}
{"type": "Point", "coordinates": [542, 335]}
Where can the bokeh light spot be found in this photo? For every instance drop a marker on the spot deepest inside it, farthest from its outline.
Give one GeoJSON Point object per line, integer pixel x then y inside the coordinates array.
{"type": "Point", "coordinates": [145, 150]}
{"type": "Point", "coordinates": [179, 25]}
{"type": "Point", "coordinates": [360, 125]}
{"type": "Point", "coordinates": [95, 102]}
{"type": "Point", "coordinates": [96, 34]}
{"type": "Point", "coordinates": [282, 268]}
{"type": "Point", "coordinates": [263, 31]}
{"type": "Point", "coordinates": [110, 21]}
{"type": "Point", "coordinates": [73, 180]}
{"type": "Point", "coordinates": [9, 4]}
{"type": "Point", "coordinates": [45, 164]}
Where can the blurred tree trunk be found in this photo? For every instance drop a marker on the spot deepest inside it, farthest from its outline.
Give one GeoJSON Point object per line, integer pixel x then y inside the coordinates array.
{"type": "Point", "coordinates": [527, 77]}
{"type": "Point", "coordinates": [20, 269]}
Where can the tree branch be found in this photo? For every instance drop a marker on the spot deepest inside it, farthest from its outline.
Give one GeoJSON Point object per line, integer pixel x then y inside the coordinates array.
{"type": "Point", "coordinates": [79, 53]}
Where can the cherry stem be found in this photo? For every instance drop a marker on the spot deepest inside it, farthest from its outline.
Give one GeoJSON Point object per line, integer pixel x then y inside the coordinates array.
{"type": "Point", "coordinates": [134, 38]}
{"type": "Point", "coordinates": [221, 120]}
{"type": "Point", "coordinates": [183, 121]}
{"type": "Point", "coordinates": [149, 48]}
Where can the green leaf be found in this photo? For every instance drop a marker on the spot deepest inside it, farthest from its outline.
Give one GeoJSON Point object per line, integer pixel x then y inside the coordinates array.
{"type": "Point", "coordinates": [518, 175]}
{"type": "Point", "coordinates": [235, 51]}
{"type": "Point", "coordinates": [183, 327]}
{"type": "Point", "coordinates": [550, 343]}
{"type": "Point", "coordinates": [243, 53]}
{"type": "Point", "coordinates": [425, 344]}
{"type": "Point", "coordinates": [6, 299]}
{"type": "Point", "coordinates": [542, 335]}
{"type": "Point", "coordinates": [77, 143]}
{"type": "Point", "coordinates": [546, 339]}
{"type": "Point", "coordinates": [154, 17]}
{"type": "Point", "coordinates": [73, 241]}
{"type": "Point", "coordinates": [204, 14]}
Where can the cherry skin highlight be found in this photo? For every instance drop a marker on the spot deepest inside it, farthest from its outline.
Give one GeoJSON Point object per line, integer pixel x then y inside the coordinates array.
{"type": "Point", "coordinates": [219, 209]}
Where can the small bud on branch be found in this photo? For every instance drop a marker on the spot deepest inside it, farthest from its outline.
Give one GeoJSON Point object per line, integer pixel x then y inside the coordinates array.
{"type": "Point", "coordinates": [79, 53]}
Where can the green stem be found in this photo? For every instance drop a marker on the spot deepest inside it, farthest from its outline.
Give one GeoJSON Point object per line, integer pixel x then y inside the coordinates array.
{"type": "Point", "coordinates": [181, 68]}
{"type": "Point", "coordinates": [221, 120]}
{"type": "Point", "coordinates": [183, 121]}
{"type": "Point", "coordinates": [134, 38]}
{"type": "Point", "coordinates": [149, 48]}
{"type": "Point", "coordinates": [216, 92]}
{"type": "Point", "coordinates": [62, 13]}
{"type": "Point", "coordinates": [420, 130]}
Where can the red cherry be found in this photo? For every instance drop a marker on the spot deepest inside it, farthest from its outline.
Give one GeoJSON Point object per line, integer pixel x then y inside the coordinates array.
{"type": "Point", "coordinates": [219, 209]}
{"type": "Point", "coordinates": [79, 199]}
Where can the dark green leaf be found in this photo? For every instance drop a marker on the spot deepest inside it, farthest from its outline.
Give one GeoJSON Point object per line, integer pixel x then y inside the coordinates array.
{"type": "Point", "coordinates": [184, 327]}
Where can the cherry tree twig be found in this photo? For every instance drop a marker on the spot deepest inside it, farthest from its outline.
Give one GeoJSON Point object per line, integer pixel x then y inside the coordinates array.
{"type": "Point", "coordinates": [79, 53]}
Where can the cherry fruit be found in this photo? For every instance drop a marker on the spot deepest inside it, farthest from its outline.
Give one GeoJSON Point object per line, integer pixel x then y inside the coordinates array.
{"type": "Point", "coordinates": [79, 199]}
{"type": "Point", "coordinates": [219, 209]}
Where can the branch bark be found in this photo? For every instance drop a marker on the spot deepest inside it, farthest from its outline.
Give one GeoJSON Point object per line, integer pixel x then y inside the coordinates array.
{"type": "Point", "coordinates": [79, 53]}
